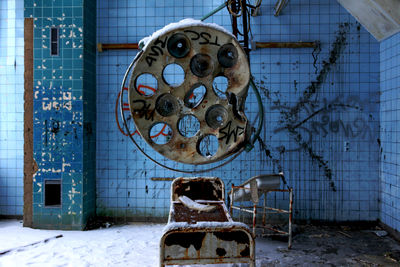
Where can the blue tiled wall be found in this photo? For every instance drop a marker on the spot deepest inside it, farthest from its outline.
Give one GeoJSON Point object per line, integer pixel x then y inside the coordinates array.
{"type": "Point", "coordinates": [328, 149]}
{"type": "Point", "coordinates": [390, 132]}
{"type": "Point", "coordinates": [11, 106]}
{"type": "Point", "coordinates": [64, 125]}
{"type": "Point", "coordinates": [341, 144]}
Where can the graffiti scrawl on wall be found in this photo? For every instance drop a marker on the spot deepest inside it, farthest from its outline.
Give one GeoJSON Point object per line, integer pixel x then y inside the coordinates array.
{"type": "Point", "coordinates": [322, 118]}
{"type": "Point", "coordinates": [315, 115]}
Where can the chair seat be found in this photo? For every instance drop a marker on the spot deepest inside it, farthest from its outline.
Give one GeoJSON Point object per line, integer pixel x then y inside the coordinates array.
{"type": "Point", "coordinates": [265, 183]}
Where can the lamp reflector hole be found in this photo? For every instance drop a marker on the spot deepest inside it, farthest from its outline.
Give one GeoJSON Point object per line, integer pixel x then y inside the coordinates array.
{"type": "Point", "coordinates": [173, 75]}
{"type": "Point", "coordinates": [195, 96]}
{"type": "Point", "coordinates": [146, 84]}
{"type": "Point", "coordinates": [220, 84]}
{"type": "Point", "coordinates": [208, 146]}
{"type": "Point", "coordinates": [188, 126]}
{"type": "Point", "coordinates": [160, 133]}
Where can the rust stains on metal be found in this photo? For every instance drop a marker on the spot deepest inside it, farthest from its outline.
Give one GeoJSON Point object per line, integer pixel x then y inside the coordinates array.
{"type": "Point", "coordinates": [245, 252]}
{"type": "Point", "coordinates": [220, 252]}
{"type": "Point", "coordinates": [238, 237]}
{"type": "Point", "coordinates": [162, 179]}
{"type": "Point", "coordinates": [184, 214]}
{"type": "Point", "coordinates": [286, 44]}
{"type": "Point", "coordinates": [101, 47]}
{"type": "Point", "coordinates": [186, 239]}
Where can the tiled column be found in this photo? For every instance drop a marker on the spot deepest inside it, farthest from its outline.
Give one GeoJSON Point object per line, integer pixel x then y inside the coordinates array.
{"type": "Point", "coordinates": [64, 112]}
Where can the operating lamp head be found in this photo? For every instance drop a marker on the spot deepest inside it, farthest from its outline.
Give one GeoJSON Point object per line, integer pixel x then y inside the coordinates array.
{"type": "Point", "coordinates": [176, 99]}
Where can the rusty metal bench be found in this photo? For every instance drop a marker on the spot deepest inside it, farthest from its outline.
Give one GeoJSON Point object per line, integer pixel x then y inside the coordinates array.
{"type": "Point", "coordinates": [200, 229]}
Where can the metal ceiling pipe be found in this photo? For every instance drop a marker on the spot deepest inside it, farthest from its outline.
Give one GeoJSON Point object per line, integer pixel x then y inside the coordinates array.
{"type": "Point", "coordinates": [102, 47]}
{"type": "Point", "coordinates": [286, 44]}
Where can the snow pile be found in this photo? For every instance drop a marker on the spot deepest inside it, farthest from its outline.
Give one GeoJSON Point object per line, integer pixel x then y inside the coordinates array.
{"type": "Point", "coordinates": [177, 25]}
{"type": "Point", "coordinates": [194, 205]}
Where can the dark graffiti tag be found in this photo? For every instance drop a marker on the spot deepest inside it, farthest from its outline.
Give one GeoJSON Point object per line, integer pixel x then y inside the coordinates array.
{"type": "Point", "coordinates": [55, 126]}
{"type": "Point", "coordinates": [355, 128]}
{"type": "Point", "coordinates": [290, 116]}
{"type": "Point", "coordinates": [156, 50]}
{"type": "Point", "coordinates": [143, 110]}
{"type": "Point", "coordinates": [315, 86]}
{"type": "Point", "coordinates": [320, 121]}
{"type": "Point", "coordinates": [227, 132]}
{"type": "Point", "coordinates": [203, 37]}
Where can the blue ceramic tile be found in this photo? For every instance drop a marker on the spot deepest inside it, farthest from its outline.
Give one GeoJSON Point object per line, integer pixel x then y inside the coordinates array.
{"type": "Point", "coordinates": [388, 113]}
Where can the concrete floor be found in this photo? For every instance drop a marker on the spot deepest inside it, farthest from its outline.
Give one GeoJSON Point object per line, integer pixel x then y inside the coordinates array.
{"type": "Point", "coordinates": [331, 246]}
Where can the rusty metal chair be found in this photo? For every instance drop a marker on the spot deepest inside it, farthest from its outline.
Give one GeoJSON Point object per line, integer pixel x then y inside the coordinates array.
{"type": "Point", "coordinates": [251, 190]}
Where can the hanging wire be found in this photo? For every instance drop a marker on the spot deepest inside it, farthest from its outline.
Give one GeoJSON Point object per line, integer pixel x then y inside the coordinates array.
{"type": "Point", "coordinates": [214, 11]}
{"type": "Point", "coordinates": [258, 4]}
{"type": "Point", "coordinates": [239, 13]}
{"type": "Point", "coordinates": [279, 6]}
{"type": "Point", "coordinates": [236, 15]}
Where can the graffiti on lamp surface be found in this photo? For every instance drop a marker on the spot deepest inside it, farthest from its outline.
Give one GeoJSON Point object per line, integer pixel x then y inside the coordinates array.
{"type": "Point", "coordinates": [157, 49]}
{"type": "Point", "coordinates": [126, 108]}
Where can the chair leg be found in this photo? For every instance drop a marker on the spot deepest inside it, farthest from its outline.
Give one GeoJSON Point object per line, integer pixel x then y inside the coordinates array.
{"type": "Point", "coordinates": [264, 212]}
{"type": "Point", "coordinates": [290, 217]}
{"type": "Point", "coordinates": [231, 204]}
{"type": "Point", "coordinates": [254, 219]}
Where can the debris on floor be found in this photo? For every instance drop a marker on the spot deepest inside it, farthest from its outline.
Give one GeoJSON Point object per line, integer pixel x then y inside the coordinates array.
{"type": "Point", "coordinates": [393, 256]}
{"type": "Point", "coordinates": [380, 233]}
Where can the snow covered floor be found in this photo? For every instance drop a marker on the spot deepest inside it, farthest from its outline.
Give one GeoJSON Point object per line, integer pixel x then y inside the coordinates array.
{"type": "Point", "coordinates": [128, 245]}
{"type": "Point", "coordinates": [136, 245]}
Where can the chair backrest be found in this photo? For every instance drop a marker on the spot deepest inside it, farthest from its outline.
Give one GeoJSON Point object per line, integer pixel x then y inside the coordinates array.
{"type": "Point", "coordinates": [263, 183]}
{"type": "Point", "coordinates": [195, 188]}
{"type": "Point", "coordinates": [266, 182]}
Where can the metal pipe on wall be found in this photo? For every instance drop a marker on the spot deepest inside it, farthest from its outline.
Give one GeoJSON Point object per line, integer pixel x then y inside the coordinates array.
{"type": "Point", "coordinates": [286, 44]}
{"type": "Point", "coordinates": [102, 47]}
